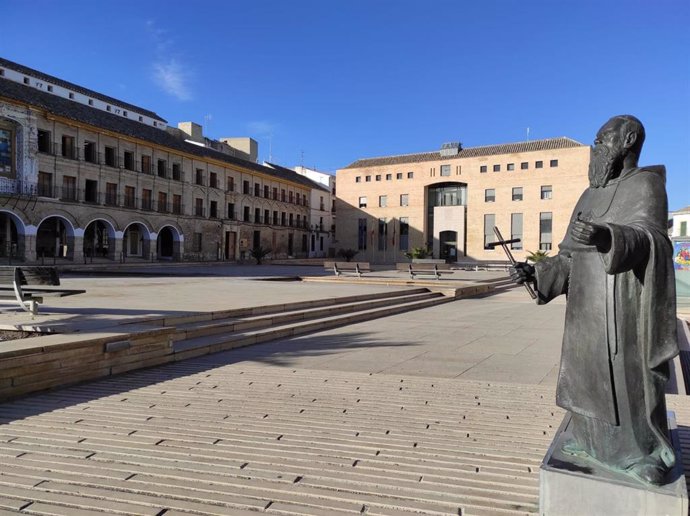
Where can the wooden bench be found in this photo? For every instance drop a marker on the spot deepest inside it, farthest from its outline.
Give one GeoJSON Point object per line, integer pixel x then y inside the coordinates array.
{"type": "Point", "coordinates": [354, 268]}
{"type": "Point", "coordinates": [20, 284]}
{"type": "Point", "coordinates": [424, 269]}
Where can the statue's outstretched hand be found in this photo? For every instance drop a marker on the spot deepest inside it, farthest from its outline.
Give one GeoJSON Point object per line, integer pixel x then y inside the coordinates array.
{"type": "Point", "coordinates": [591, 234]}
{"type": "Point", "coordinates": [522, 272]}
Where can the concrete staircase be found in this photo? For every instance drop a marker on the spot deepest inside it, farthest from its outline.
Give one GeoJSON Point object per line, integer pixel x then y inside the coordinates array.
{"type": "Point", "coordinates": [244, 327]}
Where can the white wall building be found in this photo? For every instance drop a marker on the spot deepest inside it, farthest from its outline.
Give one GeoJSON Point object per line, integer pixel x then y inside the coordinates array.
{"type": "Point", "coordinates": [322, 235]}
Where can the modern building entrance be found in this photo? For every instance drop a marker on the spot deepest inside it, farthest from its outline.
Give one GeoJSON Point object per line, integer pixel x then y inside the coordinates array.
{"type": "Point", "coordinates": [449, 245]}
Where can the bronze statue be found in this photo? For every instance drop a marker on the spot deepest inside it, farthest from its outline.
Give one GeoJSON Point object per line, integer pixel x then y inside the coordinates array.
{"type": "Point", "coordinates": [615, 266]}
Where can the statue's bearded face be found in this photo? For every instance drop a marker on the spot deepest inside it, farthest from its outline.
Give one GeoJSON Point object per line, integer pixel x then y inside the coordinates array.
{"type": "Point", "coordinates": [606, 161]}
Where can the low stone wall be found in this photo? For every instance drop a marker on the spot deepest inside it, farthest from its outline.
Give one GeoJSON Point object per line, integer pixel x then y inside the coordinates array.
{"type": "Point", "coordinates": [40, 363]}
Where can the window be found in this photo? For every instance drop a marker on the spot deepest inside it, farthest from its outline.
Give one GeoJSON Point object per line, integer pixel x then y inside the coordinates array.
{"type": "Point", "coordinates": [489, 223]}
{"type": "Point", "coordinates": [257, 190]}
{"type": "Point", "coordinates": [553, 163]}
{"type": "Point", "coordinates": [71, 95]}
{"type": "Point", "coordinates": [129, 160]}
{"type": "Point", "coordinates": [383, 235]}
{"type": "Point", "coordinates": [45, 184]}
{"type": "Point", "coordinates": [378, 177]}
{"type": "Point", "coordinates": [497, 168]}
{"type": "Point", "coordinates": [245, 187]}
{"type": "Point", "coordinates": [510, 167]}
{"type": "Point", "coordinates": [291, 197]}
{"type": "Point", "coordinates": [545, 222]}
{"type": "Point", "coordinates": [683, 228]}
{"type": "Point", "coordinates": [358, 179]}
{"type": "Point", "coordinates": [282, 194]}
{"type": "Point", "coordinates": [177, 204]}
{"type": "Point", "coordinates": [404, 199]}
{"type": "Point", "coordinates": [7, 152]}
{"type": "Point", "coordinates": [490, 195]}
{"type": "Point", "coordinates": [383, 201]}
{"type": "Point", "coordinates": [213, 210]}
{"type": "Point", "coordinates": [176, 172]}
{"type": "Point", "coordinates": [291, 220]}
{"type": "Point", "coordinates": [257, 215]}
{"type": "Point", "coordinates": [389, 177]}
{"type": "Point", "coordinates": [275, 193]}
{"type": "Point", "coordinates": [245, 214]}
{"type": "Point", "coordinates": [199, 177]}
{"type": "Point", "coordinates": [26, 80]}
{"type": "Point", "coordinates": [108, 108]}
{"type": "Point", "coordinates": [267, 216]}
{"type": "Point", "coordinates": [362, 202]}
{"type": "Point", "coordinates": [231, 184]}
{"type": "Point", "coordinates": [367, 179]}
{"type": "Point", "coordinates": [410, 175]}
{"type": "Point", "coordinates": [282, 218]}
{"type": "Point", "coordinates": [524, 165]}
{"type": "Point", "coordinates": [44, 142]}
{"type": "Point", "coordinates": [196, 242]}
{"type": "Point", "coordinates": [398, 175]}
{"type": "Point", "coordinates": [198, 207]}
{"type": "Point", "coordinates": [516, 230]}
{"type": "Point", "coordinates": [546, 192]}
{"type": "Point", "coordinates": [482, 169]}
{"type": "Point", "coordinates": [362, 234]}
{"type": "Point", "coordinates": [162, 202]}
{"type": "Point", "coordinates": [267, 192]}
{"type": "Point", "coordinates": [50, 88]}
{"type": "Point", "coordinates": [130, 197]}
{"type": "Point", "coordinates": [90, 154]}
{"type": "Point", "coordinates": [69, 188]}
{"type": "Point", "coordinates": [146, 164]}
{"type": "Point", "coordinates": [445, 170]}
{"type": "Point", "coordinates": [91, 191]}
{"type": "Point", "coordinates": [517, 193]}
{"type": "Point", "coordinates": [275, 218]}
{"type": "Point", "coordinates": [109, 156]}
{"type": "Point", "coordinates": [538, 164]}
{"type": "Point", "coordinates": [146, 199]}
{"type": "Point", "coordinates": [111, 194]}
{"type": "Point", "coordinates": [404, 243]}
{"type": "Point", "coordinates": [90, 102]}
{"type": "Point", "coordinates": [231, 211]}
{"type": "Point", "coordinates": [213, 180]}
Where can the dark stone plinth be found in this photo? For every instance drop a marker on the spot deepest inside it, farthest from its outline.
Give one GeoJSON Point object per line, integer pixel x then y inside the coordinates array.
{"type": "Point", "coordinates": [571, 485]}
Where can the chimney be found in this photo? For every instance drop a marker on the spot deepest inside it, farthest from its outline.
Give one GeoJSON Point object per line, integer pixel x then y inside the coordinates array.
{"type": "Point", "coordinates": [193, 131]}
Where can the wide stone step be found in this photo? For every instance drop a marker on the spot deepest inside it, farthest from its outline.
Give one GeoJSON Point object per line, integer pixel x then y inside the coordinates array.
{"type": "Point", "coordinates": [200, 329]}
{"type": "Point", "coordinates": [283, 307]}
{"type": "Point", "coordinates": [221, 342]}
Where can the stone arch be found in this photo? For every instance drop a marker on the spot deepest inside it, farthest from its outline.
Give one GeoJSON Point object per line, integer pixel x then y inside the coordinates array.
{"type": "Point", "coordinates": [105, 217]}
{"type": "Point", "coordinates": [99, 239]}
{"type": "Point", "coordinates": [13, 231]}
{"type": "Point", "coordinates": [169, 242]}
{"type": "Point", "coordinates": [136, 240]}
{"type": "Point", "coordinates": [56, 237]}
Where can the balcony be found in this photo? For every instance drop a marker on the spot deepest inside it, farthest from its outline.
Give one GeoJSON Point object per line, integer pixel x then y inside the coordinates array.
{"type": "Point", "coordinates": [162, 207]}
{"type": "Point", "coordinates": [146, 204]}
{"type": "Point", "coordinates": [199, 211]}
{"type": "Point", "coordinates": [130, 202]}
{"type": "Point", "coordinates": [45, 190]}
{"type": "Point", "coordinates": [111, 199]}
{"type": "Point", "coordinates": [177, 208]}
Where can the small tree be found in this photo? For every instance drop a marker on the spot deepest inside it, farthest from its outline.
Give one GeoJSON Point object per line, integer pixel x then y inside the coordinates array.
{"type": "Point", "coordinates": [348, 254]}
{"type": "Point", "coordinates": [536, 256]}
{"type": "Point", "coordinates": [418, 253]}
{"type": "Point", "coordinates": [259, 253]}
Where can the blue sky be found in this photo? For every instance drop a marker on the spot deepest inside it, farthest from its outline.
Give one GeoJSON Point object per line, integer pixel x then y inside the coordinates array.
{"type": "Point", "coordinates": [327, 82]}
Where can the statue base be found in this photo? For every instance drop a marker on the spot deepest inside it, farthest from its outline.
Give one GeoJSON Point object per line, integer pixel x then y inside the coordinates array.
{"type": "Point", "coordinates": [571, 486]}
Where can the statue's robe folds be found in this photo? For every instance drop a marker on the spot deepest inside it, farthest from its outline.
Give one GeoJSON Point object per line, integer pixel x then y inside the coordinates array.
{"type": "Point", "coordinates": [620, 325]}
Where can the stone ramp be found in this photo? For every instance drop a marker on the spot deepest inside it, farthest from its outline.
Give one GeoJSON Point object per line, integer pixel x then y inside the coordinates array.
{"type": "Point", "coordinates": [198, 436]}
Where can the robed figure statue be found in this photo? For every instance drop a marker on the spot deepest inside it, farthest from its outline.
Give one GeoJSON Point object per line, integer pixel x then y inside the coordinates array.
{"type": "Point", "coordinates": [615, 267]}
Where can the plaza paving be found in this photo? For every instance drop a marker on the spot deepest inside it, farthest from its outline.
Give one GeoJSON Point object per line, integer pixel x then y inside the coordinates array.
{"type": "Point", "coordinates": [446, 410]}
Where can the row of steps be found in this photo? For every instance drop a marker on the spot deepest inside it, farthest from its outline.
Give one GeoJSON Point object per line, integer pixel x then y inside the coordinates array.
{"type": "Point", "coordinates": [281, 321]}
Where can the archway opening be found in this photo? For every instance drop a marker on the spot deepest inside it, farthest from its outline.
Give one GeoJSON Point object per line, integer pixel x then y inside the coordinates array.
{"type": "Point", "coordinates": [135, 241]}
{"type": "Point", "coordinates": [166, 243]}
{"type": "Point", "coordinates": [99, 240]}
{"type": "Point", "coordinates": [449, 245]}
{"type": "Point", "coordinates": [11, 240]}
{"type": "Point", "coordinates": [55, 238]}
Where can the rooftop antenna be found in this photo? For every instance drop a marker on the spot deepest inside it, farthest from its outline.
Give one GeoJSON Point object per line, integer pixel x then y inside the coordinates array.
{"type": "Point", "coordinates": [207, 123]}
{"type": "Point", "coordinates": [302, 161]}
{"type": "Point", "coordinates": [270, 148]}
{"type": "Point", "coordinates": [528, 134]}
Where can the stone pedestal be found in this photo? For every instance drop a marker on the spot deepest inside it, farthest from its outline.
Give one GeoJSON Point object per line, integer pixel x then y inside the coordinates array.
{"type": "Point", "coordinates": [573, 486]}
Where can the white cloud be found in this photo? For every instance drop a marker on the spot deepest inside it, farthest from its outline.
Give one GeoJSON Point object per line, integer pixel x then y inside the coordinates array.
{"type": "Point", "coordinates": [262, 128]}
{"type": "Point", "coordinates": [169, 73]}
{"type": "Point", "coordinates": [172, 77]}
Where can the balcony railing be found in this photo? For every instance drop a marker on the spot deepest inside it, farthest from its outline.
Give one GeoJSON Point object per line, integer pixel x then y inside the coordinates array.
{"type": "Point", "coordinates": [111, 199]}
{"type": "Point", "coordinates": [129, 202]}
{"type": "Point", "coordinates": [146, 204]}
{"type": "Point", "coordinates": [177, 208]}
{"type": "Point", "coordinates": [162, 207]}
